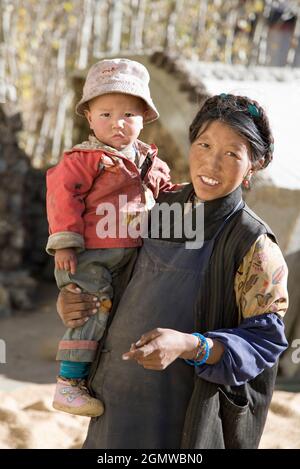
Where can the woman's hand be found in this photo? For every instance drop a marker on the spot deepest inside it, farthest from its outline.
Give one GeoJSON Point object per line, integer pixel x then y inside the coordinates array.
{"type": "Point", "coordinates": [75, 307]}
{"type": "Point", "coordinates": [158, 348]}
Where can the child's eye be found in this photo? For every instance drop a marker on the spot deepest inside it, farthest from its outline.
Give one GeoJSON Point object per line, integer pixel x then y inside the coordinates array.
{"type": "Point", "coordinates": [104, 114]}
{"type": "Point", "coordinates": [129, 114]}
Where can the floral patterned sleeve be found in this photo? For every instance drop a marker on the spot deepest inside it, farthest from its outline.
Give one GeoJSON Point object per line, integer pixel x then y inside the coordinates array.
{"type": "Point", "coordinates": [261, 280]}
{"type": "Point", "coordinates": [262, 299]}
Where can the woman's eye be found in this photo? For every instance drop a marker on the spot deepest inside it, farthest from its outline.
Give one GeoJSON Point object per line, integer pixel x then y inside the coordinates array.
{"type": "Point", "coordinates": [230, 153]}
{"type": "Point", "coordinates": [203, 145]}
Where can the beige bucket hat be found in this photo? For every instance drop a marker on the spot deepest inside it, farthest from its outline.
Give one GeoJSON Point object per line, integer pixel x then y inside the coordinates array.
{"type": "Point", "coordinates": [118, 76]}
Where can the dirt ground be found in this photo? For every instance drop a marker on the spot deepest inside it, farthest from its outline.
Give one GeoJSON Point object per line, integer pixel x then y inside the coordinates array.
{"type": "Point", "coordinates": [27, 379]}
{"type": "Point", "coordinates": [31, 338]}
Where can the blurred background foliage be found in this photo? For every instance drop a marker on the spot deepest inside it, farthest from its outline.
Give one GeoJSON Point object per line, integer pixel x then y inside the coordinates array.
{"type": "Point", "coordinates": [43, 43]}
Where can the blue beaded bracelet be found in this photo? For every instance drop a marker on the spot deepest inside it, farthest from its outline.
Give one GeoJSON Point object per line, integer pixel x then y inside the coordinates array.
{"type": "Point", "coordinates": [207, 351]}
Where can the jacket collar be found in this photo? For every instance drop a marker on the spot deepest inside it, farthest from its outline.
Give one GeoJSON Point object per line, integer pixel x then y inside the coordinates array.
{"type": "Point", "coordinates": [219, 209]}
{"type": "Point", "coordinates": [94, 144]}
{"type": "Point", "coordinates": [214, 210]}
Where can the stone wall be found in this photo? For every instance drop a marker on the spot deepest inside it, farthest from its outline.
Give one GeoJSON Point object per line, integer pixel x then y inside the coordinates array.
{"type": "Point", "coordinates": [280, 208]}
{"type": "Point", "coordinates": [23, 227]}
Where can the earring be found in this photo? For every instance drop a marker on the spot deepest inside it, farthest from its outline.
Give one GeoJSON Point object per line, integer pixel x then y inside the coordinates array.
{"type": "Point", "coordinates": [246, 182]}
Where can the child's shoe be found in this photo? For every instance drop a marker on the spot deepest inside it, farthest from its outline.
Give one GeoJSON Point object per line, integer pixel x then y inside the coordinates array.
{"type": "Point", "coordinates": [72, 396]}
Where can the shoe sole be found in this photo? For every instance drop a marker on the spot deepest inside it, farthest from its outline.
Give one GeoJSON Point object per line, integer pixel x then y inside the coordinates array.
{"type": "Point", "coordinates": [76, 411]}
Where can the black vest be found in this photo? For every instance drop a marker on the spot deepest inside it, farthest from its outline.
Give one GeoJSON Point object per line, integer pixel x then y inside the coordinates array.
{"type": "Point", "coordinates": [221, 416]}
{"type": "Point", "coordinates": [225, 416]}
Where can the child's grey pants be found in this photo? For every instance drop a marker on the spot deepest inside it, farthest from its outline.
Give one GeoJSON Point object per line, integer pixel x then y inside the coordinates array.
{"type": "Point", "coordinates": [94, 273]}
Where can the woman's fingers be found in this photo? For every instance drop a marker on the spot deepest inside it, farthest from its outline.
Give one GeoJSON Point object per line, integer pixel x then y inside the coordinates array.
{"type": "Point", "coordinates": [144, 346]}
{"type": "Point", "coordinates": [76, 323]}
{"type": "Point", "coordinates": [71, 297]}
{"type": "Point", "coordinates": [132, 347]}
{"type": "Point", "coordinates": [153, 367]}
{"type": "Point", "coordinates": [76, 318]}
{"type": "Point", "coordinates": [140, 353]}
{"type": "Point", "coordinates": [150, 362]}
{"type": "Point", "coordinates": [73, 288]}
{"type": "Point", "coordinates": [79, 314]}
{"type": "Point", "coordinates": [77, 294]}
{"type": "Point", "coordinates": [161, 347]}
{"type": "Point", "coordinates": [76, 306]}
{"type": "Point", "coordinates": [86, 306]}
{"type": "Point", "coordinates": [148, 336]}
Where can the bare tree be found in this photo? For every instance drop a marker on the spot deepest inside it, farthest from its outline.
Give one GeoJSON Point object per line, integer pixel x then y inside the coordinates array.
{"type": "Point", "coordinates": [115, 23]}
{"type": "Point", "coordinates": [86, 34]}
{"type": "Point", "coordinates": [295, 41]}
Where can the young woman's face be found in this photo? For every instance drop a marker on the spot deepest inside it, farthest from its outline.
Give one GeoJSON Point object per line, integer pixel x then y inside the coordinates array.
{"type": "Point", "coordinates": [219, 161]}
{"type": "Point", "coordinates": [116, 119]}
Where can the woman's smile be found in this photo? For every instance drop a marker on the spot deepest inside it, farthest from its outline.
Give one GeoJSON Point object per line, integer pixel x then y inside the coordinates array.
{"type": "Point", "coordinates": [209, 181]}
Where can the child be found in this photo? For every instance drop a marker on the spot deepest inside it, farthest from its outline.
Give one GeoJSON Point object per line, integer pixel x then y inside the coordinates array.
{"type": "Point", "coordinates": [113, 162]}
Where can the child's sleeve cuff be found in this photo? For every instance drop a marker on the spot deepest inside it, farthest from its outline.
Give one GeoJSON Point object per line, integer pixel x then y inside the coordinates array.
{"type": "Point", "coordinates": [63, 240]}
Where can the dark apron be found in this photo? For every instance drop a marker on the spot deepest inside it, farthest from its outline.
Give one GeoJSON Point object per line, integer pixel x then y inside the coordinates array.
{"type": "Point", "coordinates": [145, 408]}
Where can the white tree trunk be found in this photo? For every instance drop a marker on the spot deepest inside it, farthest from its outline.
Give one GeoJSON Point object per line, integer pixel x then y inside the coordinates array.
{"type": "Point", "coordinates": [230, 26]}
{"type": "Point", "coordinates": [174, 12]}
{"type": "Point", "coordinates": [100, 27]}
{"type": "Point", "coordinates": [294, 41]}
{"type": "Point", "coordinates": [259, 46]}
{"type": "Point", "coordinates": [116, 26]}
{"type": "Point", "coordinates": [86, 33]}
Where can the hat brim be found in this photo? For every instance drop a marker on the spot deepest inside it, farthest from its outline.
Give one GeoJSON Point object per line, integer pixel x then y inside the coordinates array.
{"type": "Point", "coordinates": [151, 115]}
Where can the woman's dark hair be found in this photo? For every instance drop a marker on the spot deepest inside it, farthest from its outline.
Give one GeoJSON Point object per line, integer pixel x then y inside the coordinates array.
{"type": "Point", "coordinates": [244, 116]}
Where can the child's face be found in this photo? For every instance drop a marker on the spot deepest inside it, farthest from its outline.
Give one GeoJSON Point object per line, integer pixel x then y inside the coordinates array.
{"type": "Point", "coordinates": [219, 161]}
{"type": "Point", "coordinates": [116, 118]}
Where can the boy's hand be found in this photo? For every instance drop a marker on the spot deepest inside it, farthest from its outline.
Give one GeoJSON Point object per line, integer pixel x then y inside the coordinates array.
{"type": "Point", "coordinates": [65, 259]}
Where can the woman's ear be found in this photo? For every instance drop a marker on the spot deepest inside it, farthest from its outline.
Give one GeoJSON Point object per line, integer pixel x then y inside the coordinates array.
{"type": "Point", "coordinates": [250, 170]}
{"type": "Point", "coordinates": [257, 165]}
{"type": "Point", "coordinates": [261, 163]}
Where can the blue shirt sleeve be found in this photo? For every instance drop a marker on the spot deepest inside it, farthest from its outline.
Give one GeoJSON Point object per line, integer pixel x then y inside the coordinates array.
{"type": "Point", "coordinates": [251, 347]}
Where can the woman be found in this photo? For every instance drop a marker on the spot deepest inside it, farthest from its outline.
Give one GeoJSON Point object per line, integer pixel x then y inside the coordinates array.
{"type": "Point", "coordinates": [163, 386]}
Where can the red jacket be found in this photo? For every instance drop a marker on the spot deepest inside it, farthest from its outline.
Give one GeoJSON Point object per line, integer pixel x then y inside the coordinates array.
{"type": "Point", "coordinates": [85, 178]}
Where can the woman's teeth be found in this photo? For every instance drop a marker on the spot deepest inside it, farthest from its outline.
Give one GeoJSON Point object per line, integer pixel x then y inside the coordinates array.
{"type": "Point", "coordinates": [209, 181]}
